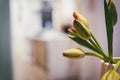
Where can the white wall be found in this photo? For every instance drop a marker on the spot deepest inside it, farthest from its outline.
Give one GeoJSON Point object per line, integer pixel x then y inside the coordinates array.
{"type": "Point", "coordinates": [117, 32]}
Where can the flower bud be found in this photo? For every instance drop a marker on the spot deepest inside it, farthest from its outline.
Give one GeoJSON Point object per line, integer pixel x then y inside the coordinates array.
{"type": "Point", "coordinates": [113, 11]}
{"type": "Point", "coordinates": [72, 32]}
{"type": "Point", "coordinates": [74, 53]}
{"type": "Point", "coordinates": [111, 75]}
{"type": "Point", "coordinates": [79, 17]}
{"type": "Point", "coordinates": [82, 31]}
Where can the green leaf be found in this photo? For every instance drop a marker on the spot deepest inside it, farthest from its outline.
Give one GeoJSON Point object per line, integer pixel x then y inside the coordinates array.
{"type": "Point", "coordinates": [109, 29]}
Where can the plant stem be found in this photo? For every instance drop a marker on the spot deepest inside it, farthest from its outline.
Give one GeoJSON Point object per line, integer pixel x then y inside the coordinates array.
{"type": "Point", "coordinates": [97, 45]}
{"type": "Point", "coordinates": [117, 66]}
{"type": "Point", "coordinates": [94, 54]}
{"type": "Point", "coordinates": [95, 40]}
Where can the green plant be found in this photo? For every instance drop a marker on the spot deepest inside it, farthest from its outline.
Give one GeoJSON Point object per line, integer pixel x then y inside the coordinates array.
{"type": "Point", "coordinates": [81, 34]}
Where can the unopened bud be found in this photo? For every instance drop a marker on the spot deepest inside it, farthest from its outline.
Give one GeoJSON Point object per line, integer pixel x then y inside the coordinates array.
{"type": "Point", "coordinates": [113, 11]}
{"type": "Point", "coordinates": [111, 75]}
{"type": "Point", "coordinates": [74, 53]}
{"type": "Point", "coordinates": [79, 17]}
{"type": "Point", "coordinates": [82, 31]}
{"type": "Point", "coordinates": [72, 32]}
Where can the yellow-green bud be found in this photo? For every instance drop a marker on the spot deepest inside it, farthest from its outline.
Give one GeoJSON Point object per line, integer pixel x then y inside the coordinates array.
{"type": "Point", "coordinates": [72, 32]}
{"type": "Point", "coordinates": [74, 53]}
{"type": "Point", "coordinates": [79, 17]}
{"type": "Point", "coordinates": [111, 75]}
{"type": "Point", "coordinates": [82, 31]}
{"type": "Point", "coordinates": [113, 11]}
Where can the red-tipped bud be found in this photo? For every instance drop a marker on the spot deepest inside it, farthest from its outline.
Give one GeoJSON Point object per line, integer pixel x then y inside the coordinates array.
{"type": "Point", "coordinates": [79, 17]}
{"type": "Point", "coordinates": [72, 32]}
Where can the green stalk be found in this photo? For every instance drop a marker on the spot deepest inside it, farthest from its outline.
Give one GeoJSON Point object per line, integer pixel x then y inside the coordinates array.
{"type": "Point", "coordinates": [117, 66]}
{"type": "Point", "coordinates": [97, 45]}
{"type": "Point", "coordinates": [94, 54]}
{"type": "Point", "coordinates": [96, 41]}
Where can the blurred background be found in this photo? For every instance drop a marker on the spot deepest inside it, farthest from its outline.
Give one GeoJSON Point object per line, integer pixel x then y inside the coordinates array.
{"type": "Point", "coordinates": [34, 35]}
